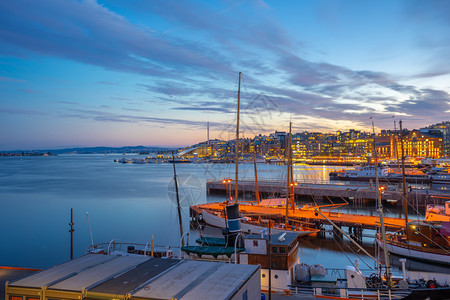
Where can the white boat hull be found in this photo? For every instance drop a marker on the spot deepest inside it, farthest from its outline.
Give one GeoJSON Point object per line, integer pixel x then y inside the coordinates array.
{"type": "Point", "coordinates": [217, 221]}
{"type": "Point", "coordinates": [416, 254]}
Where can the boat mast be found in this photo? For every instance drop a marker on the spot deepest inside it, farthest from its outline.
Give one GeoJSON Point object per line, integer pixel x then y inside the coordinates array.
{"type": "Point", "coordinates": [71, 230]}
{"type": "Point", "coordinates": [380, 211]}
{"type": "Point", "coordinates": [178, 200]}
{"type": "Point", "coordinates": [288, 183]}
{"type": "Point", "coordinates": [291, 168]}
{"type": "Point", "coordinates": [395, 145]}
{"type": "Point", "coordinates": [405, 202]}
{"type": "Point", "coordinates": [237, 140]}
{"type": "Point", "coordinates": [256, 176]}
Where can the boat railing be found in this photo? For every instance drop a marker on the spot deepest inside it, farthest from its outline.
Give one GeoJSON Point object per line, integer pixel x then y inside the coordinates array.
{"type": "Point", "coordinates": [132, 248]}
{"type": "Point", "coordinates": [344, 292]}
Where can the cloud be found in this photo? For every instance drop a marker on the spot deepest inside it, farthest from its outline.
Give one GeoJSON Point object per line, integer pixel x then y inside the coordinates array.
{"type": "Point", "coordinates": [8, 79]}
{"type": "Point", "coordinates": [190, 62]}
{"type": "Point", "coordinates": [16, 110]}
{"type": "Point", "coordinates": [87, 32]}
{"type": "Point", "coordinates": [211, 109]}
{"type": "Point", "coordinates": [102, 116]}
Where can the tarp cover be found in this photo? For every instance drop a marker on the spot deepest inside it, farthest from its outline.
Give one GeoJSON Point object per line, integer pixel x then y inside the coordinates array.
{"type": "Point", "coordinates": [211, 241]}
{"type": "Point", "coordinates": [211, 250]}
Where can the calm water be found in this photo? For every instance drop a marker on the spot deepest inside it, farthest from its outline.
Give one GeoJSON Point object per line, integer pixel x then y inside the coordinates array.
{"type": "Point", "coordinates": [126, 202]}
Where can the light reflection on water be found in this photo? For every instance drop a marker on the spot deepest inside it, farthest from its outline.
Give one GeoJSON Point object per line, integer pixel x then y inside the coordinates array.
{"type": "Point", "coordinates": [126, 202]}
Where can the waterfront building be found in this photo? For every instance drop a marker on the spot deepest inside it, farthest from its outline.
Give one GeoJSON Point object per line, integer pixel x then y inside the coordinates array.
{"type": "Point", "coordinates": [418, 144]}
{"type": "Point", "coordinates": [351, 146]}
{"type": "Point", "coordinates": [444, 129]}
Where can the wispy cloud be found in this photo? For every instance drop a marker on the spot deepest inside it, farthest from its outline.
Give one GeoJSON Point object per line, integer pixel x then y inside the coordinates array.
{"type": "Point", "coordinates": [190, 63]}
{"type": "Point", "coordinates": [87, 32]}
{"type": "Point", "coordinates": [8, 79]}
{"type": "Point", "coordinates": [17, 110]}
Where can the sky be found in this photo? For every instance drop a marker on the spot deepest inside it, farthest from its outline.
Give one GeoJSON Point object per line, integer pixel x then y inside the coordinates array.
{"type": "Point", "coordinates": [132, 72]}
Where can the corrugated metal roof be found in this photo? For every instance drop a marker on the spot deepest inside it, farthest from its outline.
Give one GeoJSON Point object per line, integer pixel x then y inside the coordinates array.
{"type": "Point", "coordinates": [99, 273]}
{"type": "Point", "coordinates": [222, 283]}
{"type": "Point", "coordinates": [170, 284]}
{"type": "Point", "coordinates": [127, 282]}
{"type": "Point", "coordinates": [198, 280]}
{"type": "Point", "coordinates": [64, 270]}
{"type": "Point", "coordinates": [142, 277]}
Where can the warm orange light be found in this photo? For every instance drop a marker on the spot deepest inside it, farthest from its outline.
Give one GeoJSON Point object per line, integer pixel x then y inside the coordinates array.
{"type": "Point", "coordinates": [226, 180]}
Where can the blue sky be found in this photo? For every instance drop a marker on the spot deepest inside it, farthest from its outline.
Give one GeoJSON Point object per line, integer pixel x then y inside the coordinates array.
{"type": "Point", "coordinates": [131, 72]}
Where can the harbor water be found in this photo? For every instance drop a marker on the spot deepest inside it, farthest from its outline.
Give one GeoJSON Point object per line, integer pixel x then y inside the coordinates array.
{"type": "Point", "coordinates": [130, 203]}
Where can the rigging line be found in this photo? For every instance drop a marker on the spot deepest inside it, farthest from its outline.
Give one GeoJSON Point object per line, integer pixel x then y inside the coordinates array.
{"type": "Point", "coordinates": [418, 232]}
{"type": "Point", "coordinates": [357, 253]}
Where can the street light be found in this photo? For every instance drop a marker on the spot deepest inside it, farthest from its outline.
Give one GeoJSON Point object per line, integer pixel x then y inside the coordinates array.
{"type": "Point", "coordinates": [293, 184]}
{"type": "Point", "coordinates": [227, 182]}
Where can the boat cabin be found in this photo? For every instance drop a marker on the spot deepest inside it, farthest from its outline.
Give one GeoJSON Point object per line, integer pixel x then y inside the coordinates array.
{"type": "Point", "coordinates": [283, 248]}
{"type": "Point", "coordinates": [427, 234]}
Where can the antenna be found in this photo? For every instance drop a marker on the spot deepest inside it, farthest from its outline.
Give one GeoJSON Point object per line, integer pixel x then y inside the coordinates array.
{"type": "Point", "coordinates": [90, 230]}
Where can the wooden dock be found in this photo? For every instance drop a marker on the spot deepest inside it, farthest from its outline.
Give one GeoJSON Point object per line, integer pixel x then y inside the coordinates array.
{"type": "Point", "coordinates": [322, 193]}
{"type": "Point", "coordinates": [308, 215]}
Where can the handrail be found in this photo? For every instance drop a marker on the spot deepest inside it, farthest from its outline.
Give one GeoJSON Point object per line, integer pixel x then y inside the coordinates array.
{"type": "Point", "coordinates": [109, 245]}
{"type": "Point", "coordinates": [235, 246]}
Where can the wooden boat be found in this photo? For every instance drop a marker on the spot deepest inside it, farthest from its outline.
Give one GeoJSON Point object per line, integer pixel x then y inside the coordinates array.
{"type": "Point", "coordinates": [422, 241]}
{"type": "Point", "coordinates": [129, 249]}
{"type": "Point", "coordinates": [255, 225]}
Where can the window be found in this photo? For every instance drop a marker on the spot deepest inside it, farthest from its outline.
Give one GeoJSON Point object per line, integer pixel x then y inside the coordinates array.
{"type": "Point", "coordinates": [244, 296]}
{"type": "Point", "coordinates": [276, 276]}
{"type": "Point", "coordinates": [274, 250]}
{"type": "Point", "coordinates": [263, 275]}
{"type": "Point", "coordinates": [282, 250]}
{"type": "Point", "coordinates": [255, 243]}
{"type": "Point", "coordinates": [15, 298]}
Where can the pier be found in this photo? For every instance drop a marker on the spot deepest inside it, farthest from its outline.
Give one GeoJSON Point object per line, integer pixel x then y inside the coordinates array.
{"type": "Point", "coordinates": [308, 215]}
{"type": "Point", "coordinates": [323, 193]}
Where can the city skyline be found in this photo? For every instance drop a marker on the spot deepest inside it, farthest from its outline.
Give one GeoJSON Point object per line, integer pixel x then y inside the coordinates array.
{"type": "Point", "coordinates": [115, 73]}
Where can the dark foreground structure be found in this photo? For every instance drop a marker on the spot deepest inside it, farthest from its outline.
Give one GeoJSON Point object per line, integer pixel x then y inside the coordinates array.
{"type": "Point", "coordinates": [97, 276]}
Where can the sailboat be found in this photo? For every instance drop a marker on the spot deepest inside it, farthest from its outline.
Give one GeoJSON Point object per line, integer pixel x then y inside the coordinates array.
{"type": "Point", "coordinates": [254, 223]}
{"type": "Point", "coordinates": [422, 240]}
{"type": "Point", "coordinates": [412, 285]}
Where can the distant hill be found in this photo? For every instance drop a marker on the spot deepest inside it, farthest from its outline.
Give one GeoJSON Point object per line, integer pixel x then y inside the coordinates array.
{"type": "Point", "coordinates": [102, 150]}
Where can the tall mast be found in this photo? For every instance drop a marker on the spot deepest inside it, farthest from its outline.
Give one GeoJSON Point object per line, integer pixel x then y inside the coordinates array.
{"type": "Point", "coordinates": [395, 145]}
{"type": "Point", "coordinates": [207, 133]}
{"type": "Point", "coordinates": [291, 167]}
{"type": "Point", "coordinates": [380, 211]}
{"type": "Point", "coordinates": [256, 176]}
{"type": "Point", "coordinates": [237, 141]}
{"type": "Point", "coordinates": [288, 179]}
{"type": "Point", "coordinates": [405, 202]}
{"type": "Point", "coordinates": [178, 200]}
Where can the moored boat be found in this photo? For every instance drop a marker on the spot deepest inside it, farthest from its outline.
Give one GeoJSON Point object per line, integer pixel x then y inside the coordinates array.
{"type": "Point", "coordinates": [422, 241]}
{"type": "Point", "coordinates": [438, 213]}
{"type": "Point", "coordinates": [254, 225]}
